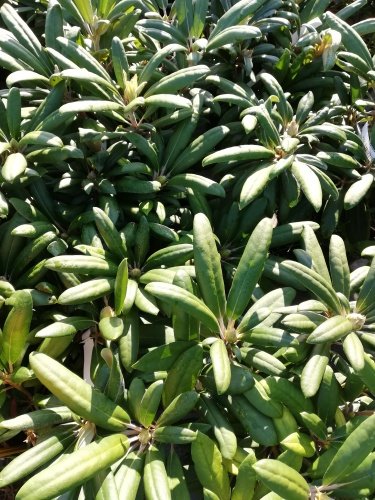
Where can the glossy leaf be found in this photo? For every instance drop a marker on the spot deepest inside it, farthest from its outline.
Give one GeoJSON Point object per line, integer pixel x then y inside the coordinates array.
{"type": "Point", "coordinates": [282, 479]}
{"type": "Point", "coordinates": [176, 296]}
{"type": "Point", "coordinates": [221, 365]}
{"type": "Point", "coordinates": [208, 466]}
{"type": "Point", "coordinates": [78, 395]}
{"type": "Point", "coordinates": [352, 452]}
{"type": "Point", "coordinates": [249, 269]}
{"type": "Point", "coordinates": [207, 262]}
{"type": "Point", "coordinates": [75, 468]}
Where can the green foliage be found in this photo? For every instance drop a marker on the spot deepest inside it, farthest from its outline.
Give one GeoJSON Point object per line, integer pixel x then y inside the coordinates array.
{"type": "Point", "coordinates": [187, 267]}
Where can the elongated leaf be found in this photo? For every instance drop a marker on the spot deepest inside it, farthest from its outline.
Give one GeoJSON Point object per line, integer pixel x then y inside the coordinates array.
{"type": "Point", "coordinates": [109, 233]}
{"type": "Point", "coordinates": [239, 153]}
{"type": "Point", "coordinates": [179, 408]}
{"type": "Point", "coordinates": [280, 297]}
{"type": "Point", "coordinates": [183, 374]}
{"type": "Point", "coordinates": [121, 285]}
{"type": "Point", "coordinates": [246, 479]}
{"type": "Point", "coordinates": [181, 78]}
{"type": "Point", "coordinates": [16, 327]}
{"type": "Point", "coordinates": [366, 297]}
{"type": "Point", "coordinates": [354, 351]}
{"type": "Point", "coordinates": [299, 443]}
{"type": "Point", "coordinates": [157, 59]}
{"type": "Point", "coordinates": [352, 452]}
{"type": "Point", "coordinates": [330, 330]}
{"type": "Point", "coordinates": [315, 424]}
{"type": "Point", "coordinates": [314, 369]}
{"type": "Point", "coordinates": [263, 361]}
{"type": "Point", "coordinates": [357, 191]}
{"type": "Point", "coordinates": [233, 34]}
{"type": "Point", "coordinates": [179, 297]}
{"type": "Point", "coordinates": [176, 478]}
{"type": "Point", "coordinates": [208, 466]}
{"type": "Point", "coordinates": [304, 107]}
{"type": "Point", "coordinates": [240, 11]}
{"type": "Point", "coordinates": [328, 396]}
{"type": "Point", "coordinates": [207, 263]}
{"type": "Point", "coordinates": [249, 269]}
{"type": "Point", "coordinates": [14, 112]}
{"type": "Point", "coordinates": [54, 26]}
{"type": "Point", "coordinates": [259, 426]}
{"type": "Point", "coordinates": [365, 27]}
{"type": "Point", "coordinates": [38, 419]}
{"type": "Point", "coordinates": [115, 385]}
{"type": "Point", "coordinates": [326, 130]}
{"type": "Point", "coordinates": [255, 184]}
{"type": "Point", "coordinates": [221, 366]}
{"type": "Point", "coordinates": [77, 394]}
{"type": "Point", "coordinates": [269, 130]}
{"type": "Point", "coordinates": [168, 101]}
{"type": "Point", "coordinates": [274, 88]}
{"type": "Point", "coordinates": [222, 429]}
{"type": "Point", "coordinates": [312, 247]}
{"type": "Point", "coordinates": [198, 183]}
{"type": "Point", "coordinates": [120, 62]}
{"type": "Point", "coordinates": [174, 435]}
{"type": "Point", "coordinates": [145, 302]}
{"type": "Point", "coordinates": [150, 403]}
{"type": "Point", "coordinates": [41, 138]}
{"type": "Point", "coordinates": [229, 87]}
{"type": "Point", "coordinates": [22, 32]}
{"type": "Point", "coordinates": [282, 479]}
{"type": "Point", "coordinates": [200, 11]}
{"type": "Point", "coordinates": [368, 372]}
{"type": "Point", "coordinates": [313, 282]}
{"type": "Point", "coordinates": [14, 166]}
{"type": "Point", "coordinates": [155, 477]}
{"type": "Point", "coordinates": [83, 75]}
{"type": "Point", "coordinates": [183, 134]}
{"type": "Point", "coordinates": [34, 457]}
{"type": "Point", "coordinates": [352, 41]}
{"type": "Point", "coordinates": [185, 14]}
{"type": "Point", "coordinates": [81, 264]}
{"type": "Point", "coordinates": [67, 112]}
{"type": "Point", "coordinates": [66, 326]}
{"type": "Point", "coordinates": [85, 9]}
{"type": "Point", "coordinates": [338, 264]}
{"type": "Point", "coordinates": [135, 186]}
{"type": "Point", "coordinates": [87, 291]}
{"type": "Point", "coordinates": [309, 183]}
{"type": "Point", "coordinates": [338, 160]}
{"type": "Point", "coordinates": [258, 396]}
{"type": "Point", "coordinates": [24, 76]}
{"type": "Point", "coordinates": [199, 148]}
{"type": "Point", "coordinates": [82, 57]}
{"type": "Point", "coordinates": [128, 476]}
{"type": "Point", "coordinates": [74, 468]}
{"type": "Point", "coordinates": [185, 327]}
{"type": "Point", "coordinates": [162, 357]}
{"type": "Point", "coordinates": [145, 148]}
